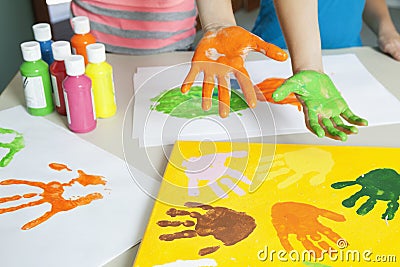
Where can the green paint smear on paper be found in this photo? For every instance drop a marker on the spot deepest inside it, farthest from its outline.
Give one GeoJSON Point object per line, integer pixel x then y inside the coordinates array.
{"type": "Point", "coordinates": [176, 104]}
{"type": "Point", "coordinates": [314, 264]}
{"type": "Point", "coordinates": [378, 184]}
{"type": "Point", "coordinates": [16, 145]}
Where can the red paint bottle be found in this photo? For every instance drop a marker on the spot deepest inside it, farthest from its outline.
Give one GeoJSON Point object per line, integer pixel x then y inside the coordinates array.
{"type": "Point", "coordinates": [61, 50]}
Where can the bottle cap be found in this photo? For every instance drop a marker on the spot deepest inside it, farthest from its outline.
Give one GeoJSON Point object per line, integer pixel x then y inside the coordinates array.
{"type": "Point", "coordinates": [42, 32]}
{"type": "Point", "coordinates": [61, 50]}
{"type": "Point", "coordinates": [74, 65]}
{"type": "Point", "coordinates": [96, 53]}
{"type": "Point", "coordinates": [81, 25]}
{"type": "Point", "coordinates": [31, 51]}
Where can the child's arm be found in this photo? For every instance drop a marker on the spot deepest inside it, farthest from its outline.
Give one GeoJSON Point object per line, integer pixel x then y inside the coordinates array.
{"type": "Point", "coordinates": [299, 23]}
{"type": "Point", "coordinates": [376, 15]}
{"type": "Point", "coordinates": [215, 14]}
{"type": "Point", "coordinates": [323, 105]}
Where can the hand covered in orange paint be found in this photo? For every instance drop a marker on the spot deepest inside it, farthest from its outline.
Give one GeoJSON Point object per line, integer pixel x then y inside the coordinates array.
{"type": "Point", "coordinates": [302, 220]}
{"type": "Point", "coordinates": [222, 52]}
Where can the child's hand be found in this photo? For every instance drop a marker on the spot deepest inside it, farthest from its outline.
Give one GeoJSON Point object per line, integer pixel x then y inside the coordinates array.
{"type": "Point", "coordinates": [390, 44]}
{"type": "Point", "coordinates": [322, 103]}
{"type": "Point", "coordinates": [221, 52]}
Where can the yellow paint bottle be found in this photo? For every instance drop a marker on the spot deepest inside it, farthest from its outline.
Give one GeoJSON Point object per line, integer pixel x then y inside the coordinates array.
{"type": "Point", "coordinates": [101, 74]}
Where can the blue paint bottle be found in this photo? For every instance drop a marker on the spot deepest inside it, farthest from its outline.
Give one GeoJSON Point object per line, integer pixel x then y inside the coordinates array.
{"type": "Point", "coordinates": [42, 33]}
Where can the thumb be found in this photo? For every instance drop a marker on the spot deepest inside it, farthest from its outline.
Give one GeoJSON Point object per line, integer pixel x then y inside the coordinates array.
{"type": "Point", "coordinates": [270, 50]}
{"type": "Point", "coordinates": [285, 90]}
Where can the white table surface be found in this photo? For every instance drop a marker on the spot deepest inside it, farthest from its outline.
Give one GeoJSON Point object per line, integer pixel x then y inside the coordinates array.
{"type": "Point", "coordinates": [114, 134]}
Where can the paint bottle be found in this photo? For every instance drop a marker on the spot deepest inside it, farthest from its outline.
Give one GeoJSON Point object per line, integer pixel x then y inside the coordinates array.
{"type": "Point", "coordinates": [36, 80]}
{"type": "Point", "coordinates": [78, 96]}
{"type": "Point", "coordinates": [101, 74]}
{"type": "Point", "coordinates": [61, 50]}
{"type": "Point", "coordinates": [82, 36]}
{"type": "Point", "coordinates": [42, 33]}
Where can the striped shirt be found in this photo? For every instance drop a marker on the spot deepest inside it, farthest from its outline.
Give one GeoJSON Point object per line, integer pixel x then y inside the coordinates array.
{"type": "Point", "coordinates": [140, 26]}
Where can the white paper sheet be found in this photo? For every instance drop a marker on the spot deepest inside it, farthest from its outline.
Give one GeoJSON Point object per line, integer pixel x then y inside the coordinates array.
{"type": "Point", "coordinates": [364, 94]}
{"type": "Point", "coordinates": [87, 235]}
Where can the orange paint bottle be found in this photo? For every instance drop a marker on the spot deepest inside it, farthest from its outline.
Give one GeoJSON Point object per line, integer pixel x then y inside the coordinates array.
{"type": "Point", "coordinates": [82, 36]}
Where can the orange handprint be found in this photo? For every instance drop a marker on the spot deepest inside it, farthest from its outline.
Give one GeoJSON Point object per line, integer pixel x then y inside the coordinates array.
{"type": "Point", "coordinates": [302, 220]}
{"type": "Point", "coordinates": [52, 194]}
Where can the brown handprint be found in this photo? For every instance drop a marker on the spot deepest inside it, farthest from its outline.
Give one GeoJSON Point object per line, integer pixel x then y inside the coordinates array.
{"type": "Point", "coordinates": [224, 224]}
{"type": "Point", "coordinates": [302, 220]}
{"type": "Point", "coordinates": [52, 194]}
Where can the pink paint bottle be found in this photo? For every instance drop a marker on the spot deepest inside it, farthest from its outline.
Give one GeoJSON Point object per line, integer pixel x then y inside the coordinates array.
{"type": "Point", "coordinates": [78, 96]}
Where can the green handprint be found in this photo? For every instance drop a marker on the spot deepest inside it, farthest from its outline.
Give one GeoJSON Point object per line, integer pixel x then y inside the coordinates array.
{"type": "Point", "coordinates": [322, 103]}
{"type": "Point", "coordinates": [16, 145]}
{"type": "Point", "coordinates": [379, 184]}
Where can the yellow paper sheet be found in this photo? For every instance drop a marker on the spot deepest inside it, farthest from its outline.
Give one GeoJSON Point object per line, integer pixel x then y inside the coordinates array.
{"type": "Point", "coordinates": [297, 210]}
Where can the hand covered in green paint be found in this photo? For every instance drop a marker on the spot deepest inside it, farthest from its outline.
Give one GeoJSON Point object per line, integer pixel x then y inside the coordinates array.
{"type": "Point", "coordinates": [221, 52]}
{"type": "Point", "coordinates": [322, 103]}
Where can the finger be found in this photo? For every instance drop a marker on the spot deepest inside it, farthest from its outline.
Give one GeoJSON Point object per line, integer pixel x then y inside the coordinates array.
{"type": "Point", "coordinates": [14, 208]}
{"type": "Point", "coordinates": [334, 237]}
{"type": "Point", "coordinates": [325, 245]}
{"type": "Point", "coordinates": [189, 80]}
{"type": "Point", "coordinates": [224, 96]}
{"type": "Point", "coordinates": [339, 123]}
{"type": "Point", "coordinates": [366, 207]}
{"type": "Point", "coordinates": [175, 212]}
{"type": "Point", "coordinates": [313, 123]}
{"type": "Point", "coordinates": [351, 201]}
{"type": "Point", "coordinates": [332, 215]}
{"type": "Point", "coordinates": [178, 235]}
{"type": "Point", "coordinates": [308, 245]}
{"type": "Point", "coordinates": [333, 132]}
{"type": "Point", "coordinates": [284, 238]}
{"type": "Point", "coordinates": [233, 186]}
{"type": "Point", "coordinates": [392, 48]}
{"type": "Point", "coordinates": [208, 88]}
{"type": "Point", "coordinates": [396, 53]}
{"type": "Point", "coordinates": [354, 119]}
{"type": "Point", "coordinates": [315, 236]}
{"type": "Point", "coordinates": [198, 205]}
{"type": "Point", "coordinates": [247, 87]}
{"type": "Point", "coordinates": [340, 185]}
{"type": "Point", "coordinates": [270, 50]}
{"type": "Point", "coordinates": [167, 223]}
{"type": "Point", "coordinates": [288, 87]}
{"type": "Point", "coordinates": [267, 87]}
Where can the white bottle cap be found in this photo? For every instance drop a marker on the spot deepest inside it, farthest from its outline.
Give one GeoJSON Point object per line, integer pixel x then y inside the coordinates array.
{"type": "Point", "coordinates": [81, 25]}
{"type": "Point", "coordinates": [75, 65]}
{"type": "Point", "coordinates": [42, 32]}
{"type": "Point", "coordinates": [31, 51]}
{"type": "Point", "coordinates": [96, 53]}
{"type": "Point", "coordinates": [61, 50]}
